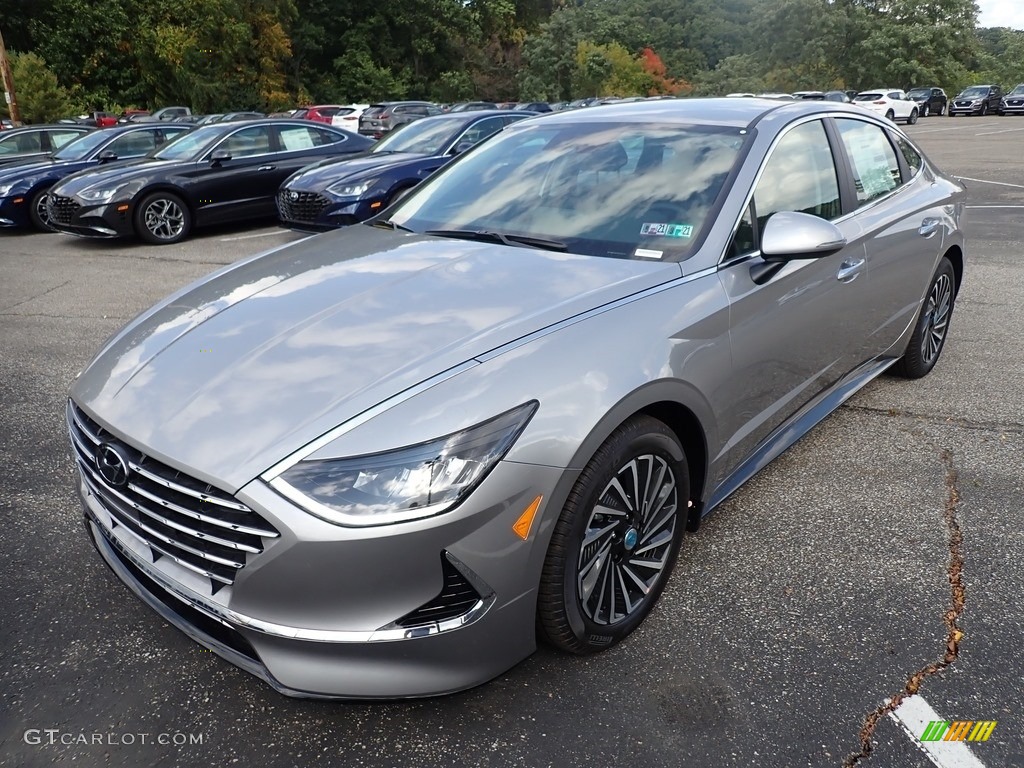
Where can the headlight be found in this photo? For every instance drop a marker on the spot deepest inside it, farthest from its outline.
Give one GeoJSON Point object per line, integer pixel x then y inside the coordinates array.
{"type": "Point", "coordinates": [99, 194]}
{"type": "Point", "coordinates": [409, 483]}
{"type": "Point", "coordinates": [345, 189]}
{"type": "Point", "coordinates": [5, 189]}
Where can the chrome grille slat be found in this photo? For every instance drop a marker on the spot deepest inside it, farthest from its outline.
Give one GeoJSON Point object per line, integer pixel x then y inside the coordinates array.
{"type": "Point", "coordinates": [125, 519]}
{"type": "Point", "coordinates": [205, 519]}
{"type": "Point", "coordinates": [158, 507]}
{"type": "Point", "coordinates": [166, 521]}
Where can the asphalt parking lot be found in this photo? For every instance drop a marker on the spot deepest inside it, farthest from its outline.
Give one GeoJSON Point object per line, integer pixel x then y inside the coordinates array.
{"type": "Point", "coordinates": [801, 605]}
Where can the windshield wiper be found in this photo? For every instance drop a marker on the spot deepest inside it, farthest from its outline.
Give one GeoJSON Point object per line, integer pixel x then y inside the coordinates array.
{"type": "Point", "coordinates": [505, 238]}
{"type": "Point", "coordinates": [389, 224]}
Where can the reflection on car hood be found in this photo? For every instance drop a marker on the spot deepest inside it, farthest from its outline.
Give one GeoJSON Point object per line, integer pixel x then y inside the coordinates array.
{"type": "Point", "coordinates": [53, 169]}
{"type": "Point", "coordinates": [24, 168]}
{"type": "Point", "coordinates": [231, 375]}
{"type": "Point", "coordinates": [322, 175]}
{"type": "Point", "coordinates": [112, 173]}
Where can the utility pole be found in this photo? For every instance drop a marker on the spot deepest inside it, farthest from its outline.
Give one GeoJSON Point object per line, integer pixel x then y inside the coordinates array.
{"type": "Point", "coordinates": [5, 75]}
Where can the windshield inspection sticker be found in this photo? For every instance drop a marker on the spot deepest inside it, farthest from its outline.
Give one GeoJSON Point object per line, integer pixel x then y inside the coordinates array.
{"type": "Point", "coordinates": [666, 230]}
{"type": "Point", "coordinates": [646, 253]}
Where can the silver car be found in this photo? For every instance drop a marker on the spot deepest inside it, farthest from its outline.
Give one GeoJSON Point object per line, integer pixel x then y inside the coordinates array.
{"type": "Point", "coordinates": [381, 462]}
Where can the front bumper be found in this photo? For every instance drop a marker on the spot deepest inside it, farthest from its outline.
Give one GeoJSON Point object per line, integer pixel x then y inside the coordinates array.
{"type": "Point", "coordinates": [322, 211]}
{"type": "Point", "coordinates": [1016, 107]}
{"type": "Point", "coordinates": [314, 614]}
{"type": "Point", "coordinates": [75, 217]}
{"type": "Point", "coordinates": [969, 109]}
{"type": "Point", "coordinates": [14, 211]}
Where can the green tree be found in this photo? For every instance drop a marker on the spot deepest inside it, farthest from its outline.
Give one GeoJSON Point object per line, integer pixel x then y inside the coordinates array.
{"type": "Point", "coordinates": [41, 99]}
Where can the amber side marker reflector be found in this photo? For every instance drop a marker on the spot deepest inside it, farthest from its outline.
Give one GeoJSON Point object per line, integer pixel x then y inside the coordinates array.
{"type": "Point", "coordinates": [122, 208]}
{"type": "Point", "coordinates": [376, 205]}
{"type": "Point", "coordinates": [18, 200]}
{"type": "Point", "coordinates": [522, 526]}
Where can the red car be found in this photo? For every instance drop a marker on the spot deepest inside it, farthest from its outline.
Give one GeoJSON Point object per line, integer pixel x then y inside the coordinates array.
{"type": "Point", "coordinates": [320, 114]}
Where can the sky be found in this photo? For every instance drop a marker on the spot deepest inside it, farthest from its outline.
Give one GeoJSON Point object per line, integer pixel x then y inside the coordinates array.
{"type": "Point", "coordinates": [1001, 13]}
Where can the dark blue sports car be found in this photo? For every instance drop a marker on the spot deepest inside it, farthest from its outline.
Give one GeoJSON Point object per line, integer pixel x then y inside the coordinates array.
{"type": "Point", "coordinates": [338, 192]}
{"type": "Point", "coordinates": [24, 186]}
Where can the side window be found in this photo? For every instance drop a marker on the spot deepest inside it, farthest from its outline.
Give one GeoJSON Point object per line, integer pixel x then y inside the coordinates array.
{"type": "Point", "coordinates": [248, 142]}
{"type": "Point", "coordinates": [911, 155]}
{"type": "Point", "coordinates": [800, 175]}
{"type": "Point", "coordinates": [296, 137]}
{"type": "Point", "coordinates": [59, 138]}
{"type": "Point", "coordinates": [876, 171]}
{"type": "Point", "coordinates": [482, 129]}
{"type": "Point", "coordinates": [165, 135]}
{"type": "Point", "coordinates": [28, 142]}
{"type": "Point", "coordinates": [743, 241]}
{"type": "Point", "coordinates": [134, 144]}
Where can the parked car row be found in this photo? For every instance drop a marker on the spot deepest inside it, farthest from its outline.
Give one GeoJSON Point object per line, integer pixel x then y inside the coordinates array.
{"type": "Point", "coordinates": [160, 180]}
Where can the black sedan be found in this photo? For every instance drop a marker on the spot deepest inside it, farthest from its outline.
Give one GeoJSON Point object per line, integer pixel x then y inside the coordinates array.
{"type": "Point", "coordinates": [18, 144]}
{"type": "Point", "coordinates": [336, 193]}
{"type": "Point", "coordinates": [24, 186]}
{"type": "Point", "coordinates": [215, 174]}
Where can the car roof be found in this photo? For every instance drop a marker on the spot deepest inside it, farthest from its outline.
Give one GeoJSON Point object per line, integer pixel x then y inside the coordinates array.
{"type": "Point", "coordinates": [721, 111]}
{"type": "Point", "coordinates": [50, 127]}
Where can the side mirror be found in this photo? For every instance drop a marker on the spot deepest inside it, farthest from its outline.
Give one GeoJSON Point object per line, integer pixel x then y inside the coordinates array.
{"type": "Point", "coordinates": [789, 235]}
{"type": "Point", "coordinates": [107, 155]}
{"type": "Point", "coordinates": [219, 156]}
{"type": "Point", "coordinates": [463, 146]}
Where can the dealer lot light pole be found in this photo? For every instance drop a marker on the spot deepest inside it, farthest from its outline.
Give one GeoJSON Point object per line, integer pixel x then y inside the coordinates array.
{"type": "Point", "coordinates": [5, 72]}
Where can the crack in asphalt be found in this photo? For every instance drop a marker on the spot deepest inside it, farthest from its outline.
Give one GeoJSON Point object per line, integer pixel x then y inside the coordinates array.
{"type": "Point", "coordinates": [955, 421]}
{"type": "Point", "coordinates": [951, 618]}
{"type": "Point", "coordinates": [33, 298]}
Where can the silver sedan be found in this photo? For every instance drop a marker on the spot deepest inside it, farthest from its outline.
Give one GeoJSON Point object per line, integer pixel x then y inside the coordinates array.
{"type": "Point", "coordinates": [383, 461]}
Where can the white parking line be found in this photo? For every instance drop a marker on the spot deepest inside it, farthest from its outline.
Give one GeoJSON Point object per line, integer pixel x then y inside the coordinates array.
{"type": "Point", "coordinates": [997, 183]}
{"type": "Point", "coordinates": [913, 715]}
{"type": "Point", "coordinates": [946, 130]}
{"type": "Point", "coordinates": [996, 206]}
{"type": "Point", "coordinates": [993, 133]}
{"type": "Point", "coordinates": [250, 237]}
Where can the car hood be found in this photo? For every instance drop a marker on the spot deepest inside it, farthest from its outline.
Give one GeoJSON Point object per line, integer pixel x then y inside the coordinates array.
{"type": "Point", "coordinates": [117, 171]}
{"type": "Point", "coordinates": [25, 169]}
{"type": "Point", "coordinates": [52, 168]}
{"type": "Point", "coordinates": [231, 375]}
{"type": "Point", "coordinates": [322, 175]}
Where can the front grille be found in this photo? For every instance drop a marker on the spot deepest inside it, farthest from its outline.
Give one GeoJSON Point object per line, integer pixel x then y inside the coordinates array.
{"type": "Point", "coordinates": [300, 206]}
{"type": "Point", "coordinates": [1014, 103]}
{"type": "Point", "coordinates": [198, 526]}
{"type": "Point", "coordinates": [456, 599]}
{"type": "Point", "coordinates": [61, 209]}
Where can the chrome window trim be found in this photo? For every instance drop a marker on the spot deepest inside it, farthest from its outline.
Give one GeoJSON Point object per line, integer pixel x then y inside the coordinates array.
{"type": "Point", "coordinates": [270, 127]}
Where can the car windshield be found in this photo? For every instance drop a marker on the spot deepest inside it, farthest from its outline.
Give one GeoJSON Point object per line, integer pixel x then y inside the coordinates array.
{"type": "Point", "coordinates": [189, 146]}
{"type": "Point", "coordinates": [619, 190]}
{"type": "Point", "coordinates": [79, 148]}
{"type": "Point", "coordinates": [867, 96]}
{"type": "Point", "coordinates": [1018, 91]}
{"type": "Point", "coordinates": [974, 93]}
{"type": "Point", "coordinates": [423, 137]}
{"type": "Point", "coordinates": [919, 92]}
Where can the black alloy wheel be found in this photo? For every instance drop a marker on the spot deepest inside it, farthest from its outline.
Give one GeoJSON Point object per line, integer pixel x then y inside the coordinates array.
{"type": "Point", "coordinates": [163, 218]}
{"type": "Point", "coordinates": [37, 211]}
{"type": "Point", "coordinates": [932, 326]}
{"type": "Point", "coordinates": [616, 540]}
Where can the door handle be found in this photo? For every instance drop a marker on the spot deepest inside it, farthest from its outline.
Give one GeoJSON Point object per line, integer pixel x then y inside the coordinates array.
{"type": "Point", "coordinates": [928, 227]}
{"type": "Point", "coordinates": [266, 168]}
{"type": "Point", "coordinates": [849, 270]}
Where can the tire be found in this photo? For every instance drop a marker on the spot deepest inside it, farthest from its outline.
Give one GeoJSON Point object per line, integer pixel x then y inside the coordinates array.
{"type": "Point", "coordinates": [932, 325]}
{"type": "Point", "coordinates": [618, 529]}
{"type": "Point", "coordinates": [890, 115]}
{"type": "Point", "coordinates": [398, 195]}
{"type": "Point", "coordinates": [162, 218]}
{"type": "Point", "coordinates": [950, 114]}
{"type": "Point", "coordinates": [942, 108]}
{"type": "Point", "coordinates": [912, 119]}
{"type": "Point", "coordinates": [984, 110]}
{"type": "Point", "coordinates": [37, 210]}
{"type": "Point", "coordinates": [924, 110]}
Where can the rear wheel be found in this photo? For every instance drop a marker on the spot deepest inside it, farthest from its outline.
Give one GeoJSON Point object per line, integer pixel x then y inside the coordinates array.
{"type": "Point", "coordinates": [163, 218]}
{"type": "Point", "coordinates": [942, 108]}
{"type": "Point", "coordinates": [616, 540]}
{"type": "Point", "coordinates": [932, 325]}
{"type": "Point", "coordinates": [913, 117]}
{"type": "Point", "coordinates": [37, 210]}
{"type": "Point", "coordinates": [890, 115]}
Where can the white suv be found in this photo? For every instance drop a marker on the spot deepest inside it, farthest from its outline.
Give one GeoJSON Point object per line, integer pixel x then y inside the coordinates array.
{"type": "Point", "coordinates": [888, 102]}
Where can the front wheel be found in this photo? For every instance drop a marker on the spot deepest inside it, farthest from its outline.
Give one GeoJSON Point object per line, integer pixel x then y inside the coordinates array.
{"type": "Point", "coordinates": [163, 218]}
{"type": "Point", "coordinates": [37, 210]}
{"type": "Point", "coordinates": [932, 325]}
{"type": "Point", "coordinates": [984, 110]}
{"type": "Point", "coordinates": [616, 540]}
{"type": "Point", "coordinates": [924, 110]}
{"type": "Point", "coordinates": [912, 118]}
